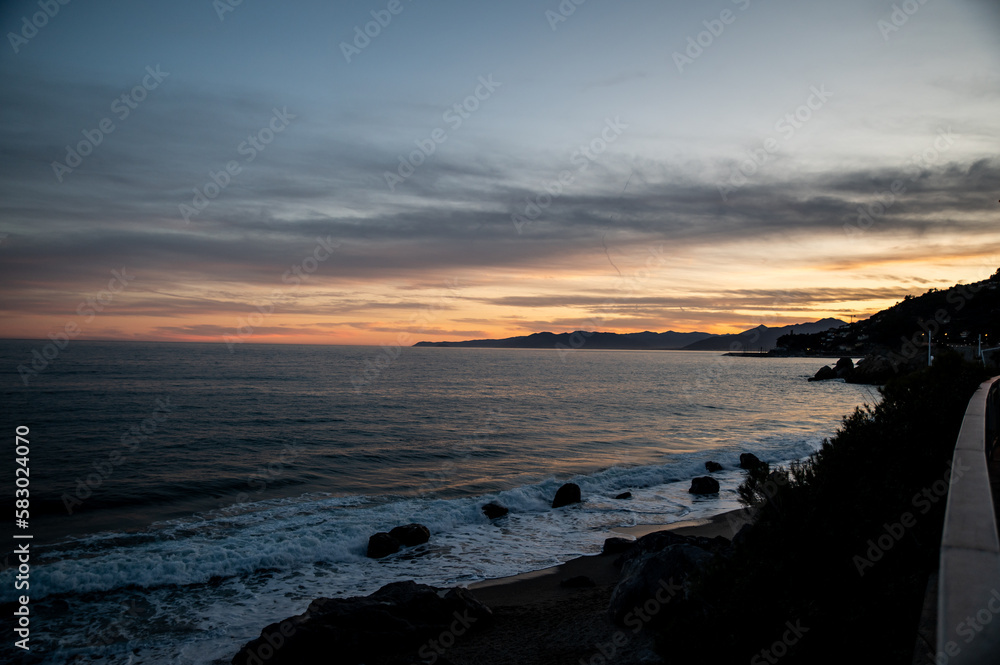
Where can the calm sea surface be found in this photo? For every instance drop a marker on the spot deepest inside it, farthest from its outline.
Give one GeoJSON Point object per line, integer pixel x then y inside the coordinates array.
{"type": "Point", "coordinates": [184, 496]}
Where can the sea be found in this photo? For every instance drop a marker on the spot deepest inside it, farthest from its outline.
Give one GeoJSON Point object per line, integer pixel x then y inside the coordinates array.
{"type": "Point", "coordinates": [182, 496]}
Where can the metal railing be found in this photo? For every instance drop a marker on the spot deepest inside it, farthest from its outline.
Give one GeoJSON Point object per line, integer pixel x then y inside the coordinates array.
{"type": "Point", "coordinates": [968, 621]}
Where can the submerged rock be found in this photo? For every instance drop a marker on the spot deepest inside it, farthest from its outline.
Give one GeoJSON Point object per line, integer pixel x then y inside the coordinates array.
{"type": "Point", "coordinates": [712, 467]}
{"type": "Point", "coordinates": [704, 485]}
{"type": "Point", "coordinates": [494, 510]}
{"type": "Point", "coordinates": [566, 495]}
{"type": "Point", "coordinates": [411, 534]}
{"type": "Point", "coordinates": [382, 544]}
{"type": "Point", "coordinates": [624, 495]}
{"type": "Point", "coordinates": [391, 625]}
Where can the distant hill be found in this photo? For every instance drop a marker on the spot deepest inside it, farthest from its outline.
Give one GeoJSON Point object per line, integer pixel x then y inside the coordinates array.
{"type": "Point", "coordinates": [957, 316]}
{"type": "Point", "coordinates": [590, 340]}
{"type": "Point", "coordinates": [761, 338]}
{"type": "Point", "coordinates": [754, 339]}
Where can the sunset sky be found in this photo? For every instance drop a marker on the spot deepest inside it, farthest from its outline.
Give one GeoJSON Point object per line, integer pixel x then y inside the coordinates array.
{"type": "Point", "coordinates": [269, 171]}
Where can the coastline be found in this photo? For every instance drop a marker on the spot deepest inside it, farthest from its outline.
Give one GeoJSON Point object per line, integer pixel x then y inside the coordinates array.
{"type": "Point", "coordinates": [537, 619]}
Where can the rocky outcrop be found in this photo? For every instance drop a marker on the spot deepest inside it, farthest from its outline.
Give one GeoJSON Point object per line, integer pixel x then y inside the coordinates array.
{"type": "Point", "coordinates": [704, 485]}
{"type": "Point", "coordinates": [653, 578]}
{"type": "Point", "coordinates": [566, 495]}
{"type": "Point", "coordinates": [844, 369]}
{"type": "Point", "coordinates": [712, 467]}
{"type": "Point", "coordinates": [494, 510]}
{"type": "Point", "coordinates": [396, 624]}
{"type": "Point", "coordinates": [824, 374]}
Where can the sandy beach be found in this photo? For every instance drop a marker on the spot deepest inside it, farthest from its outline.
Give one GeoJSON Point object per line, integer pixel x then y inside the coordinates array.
{"type": "Point", "coordinates": [538, 620]}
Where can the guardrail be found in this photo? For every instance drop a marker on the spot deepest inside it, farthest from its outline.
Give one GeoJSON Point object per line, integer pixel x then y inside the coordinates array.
{"type": "Point", "coordinates": [968, 621]}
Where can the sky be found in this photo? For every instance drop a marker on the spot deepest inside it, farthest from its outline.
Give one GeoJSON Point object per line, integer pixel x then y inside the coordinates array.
{"type": "Point", "coordinates": [389, 171]}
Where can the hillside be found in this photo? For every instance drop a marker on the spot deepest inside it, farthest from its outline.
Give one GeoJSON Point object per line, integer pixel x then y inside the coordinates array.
{"type": "Point", "coordinates": [958, 316]}
{"type": "Point", "coordinates": [583, 339]}
{"type": "Point", "coordinates": [761, 338]}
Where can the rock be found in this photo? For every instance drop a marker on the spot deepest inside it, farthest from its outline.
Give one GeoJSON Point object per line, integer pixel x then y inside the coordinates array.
{"type": "Point", "coordinates": [741, 536]}
{"type": "Point", "coordinates": [624, 495]}
{"type": "Point", "coordinates": [660, 540]}
{"type": "Point", "coordinates": [824, 374]}
{"type": "Point", "coordinates": [654, 576]}
{"type": "Point", "coordinates": [712, 467]}
{"type": "Point", "coordinates": [704, 485]}
{"type": "Point", "coordinates": [616, 545]}
{"type": "Point", "coordinates": [567, 494]}
{"type": "Point", "coordinates": [844, 368]}
{"type": "Point", "coordinates": [382, 544]}
{"type": "Point", "coordinates": [877, 368]}
{"type": "Point", "coordinates": [494, 510]}
{"type": "Point", "coordinates": [749, 461]}
{"type": "Point", "coordinates": [390, 625]}
{"type": "Point", "coordinates": [578, 582]}
{"type": "Point", "coordinates": [411, 534]}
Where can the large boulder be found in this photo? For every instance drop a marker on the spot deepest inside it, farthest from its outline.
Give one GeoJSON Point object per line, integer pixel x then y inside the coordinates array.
{"type": "Point", "coordinates": [661, 540]}
{"type": "Point", "coordinates": [749, 461]}
{"type": "Point", "coordinates": [704, 485]}
{"type": "Point", "coordinates": [391, 625]}
{"type": "Point", "coordinates": [653, 577]}
{"type": "Point", "coordinates": [616, 545]}
{"type": "Point", "coordinates": [566, 495]}
{"type": "Point", "coordinates": [844, 368]}
{"type": "Point", "coordinates": [382, 544]}
{"type": "Point", "coordinates": [824, 374]}
{"type": "Point", "coordinates": [494, 510]}
{"type": "Point", "coordinates": [878, 368]}
{"type": "Point", "coordinates": [411, 534]}
{"type": "Point", "coordinates": [712, 467]}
